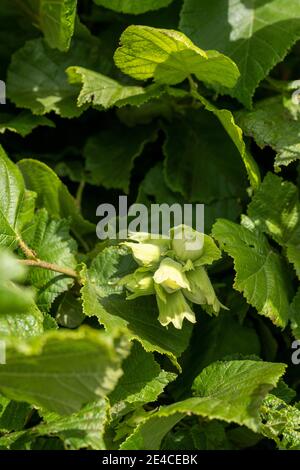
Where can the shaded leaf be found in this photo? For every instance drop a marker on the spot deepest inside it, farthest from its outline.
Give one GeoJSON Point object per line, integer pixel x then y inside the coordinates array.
{"type": "Point", "coordinates": [230, 391]}
{"type": "Point", "coordinates": [37, 80]}
{"type": "Point", "coordinates": [274, 122]}
{"type": "Point", "coordinates": [208, 170]}
{"type": "Point", "coordinates": [134, 7]}
{"type": "Point", "coordinates": [255, 34]}
{"type": "Point", "coordinates": [275, 209]}
{"type": "Point", "coordinates": [260, 273]}
{"type": "Point", "coordinates": [111, 153]}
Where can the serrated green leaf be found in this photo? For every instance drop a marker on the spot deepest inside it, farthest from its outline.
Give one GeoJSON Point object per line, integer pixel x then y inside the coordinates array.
{"type": "Point", "coordinates": [12, 195]}
{"type": "Point", "coordinates": [100, 90]}
{"type": "Point", "coordinates": [81, 430]}
{"type": "Point", "coordinates": [52, 243]}
{"type": "Point", "coordinates": [84, 429]}
{"type": "Point", "coordinates": [61, 371]}
{"type": "Point", "coordinates": [230, 391]}
{"type": "Point", "coordinates": [111, 153]}
{"type": "Point", "coordinates": [25, 323]}
{"type": "Point", "coordinates": [208, 170]}
{"type": "Point", "coordinates": [275, 209]}
{"type": "Point", "coordinates": [37, 80]}
{"type": "Point", "coordinates": [260, 273]}
{"type": "Point", "coordinates": [274, 122]}
{"type": "Point", "coordinates": [23, 124]}
{"type": "Point", "coordinates": [55, 19]}
{"type": "Point", "coordinates": [103, 298]}
{"type": "Point", "coordinates": [215, 339]}
{"type": "Point", "coordinates": [281, 422]}
{"type": "Point", "coordinates": [134, 7]}
{"type": "Point", "coordinates": [142, 382]}
{"type": "Point", "coordinates": [170, 57]}
{"type": "Point", "coordinates": [53, 194]}
{"type": "Point", "coordinates": [256, 35]}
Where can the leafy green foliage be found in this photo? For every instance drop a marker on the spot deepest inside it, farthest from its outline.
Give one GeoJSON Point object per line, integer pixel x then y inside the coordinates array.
{"type": "Point", "coordinates": [169, 57]}
{"type": "Point", "coordinates": [275, 209]}
{"type": "Point", "coordinates": [102, 296]}
{"type": "Point", "coordinates": [53, 195]}
{"type": "Point", "coordinates": [260, 273]}
{"type": "Point", "coordinates": [55, 19]}
{"type": "Point", "coordinates": [123, 146]}
{"type": "Point", "coordinates": [133, 6]}
{"type": "Point", "coordinates": [235, 399]}
{"type": "Point", "coordinates": [36, 373]}
{"type": "Point", "coordinates": [140, 343]}
{"type": "Point", "coordinates": [274, 122]}
{"type": "Point", "coordinates": [37, 78]}
{"type": "Point", "coordinates": [51, 242]}
{"type": "Point", "coordinates": [256, 35]}
{"type": "Point", "coordinates": [11, 200]}
{"type": "Point", "coordinates": [184, 170]}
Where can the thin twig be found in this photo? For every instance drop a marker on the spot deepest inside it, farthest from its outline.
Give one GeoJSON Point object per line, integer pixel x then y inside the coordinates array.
{"type": "Point", "coordinates": [50, 266]}
{"type": "Point", "coordinates": [28, 252]}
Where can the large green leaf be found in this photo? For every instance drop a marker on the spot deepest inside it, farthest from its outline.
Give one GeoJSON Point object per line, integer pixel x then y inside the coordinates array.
{"type": "Point", "coordinates": [111, 153]}
{"type": "Point", "coordinates": [274, 122]}
{"type": "Point", "coordinates": [62, 371]}
{"type": "Point", "coordinates": [275, 209]}
{"type": "Point", "coordinates": [260, 273]}
{"type": "Point", "coordinates": [53, 194]}
{"type": "Point", "coordinates": [208, 170]}
{"type": "Point", "coordinates": [170, 57]}
{"type": "Point", "coordinates": [214, 339]}
{"type": "Point", "coordinates": [134, 7]}
{"type": "Point", "coordinates": [12, 196]}
{"type": "Point", "coordinates": [103, 298]}
{"type": "Point", "coordinates": [37, 80]}
{"type": "Point", "coordinates": [256, 34]}
{"type": "Point", "coordinates": [230, 391]}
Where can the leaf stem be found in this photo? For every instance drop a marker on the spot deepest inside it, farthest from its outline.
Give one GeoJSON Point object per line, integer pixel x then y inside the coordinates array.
{"type": "Point", "coordinates": [193, 85]}
{"type": "Point", "coordinates": [50, 266]}
{"type": "Point", "coordinates": [79, 193]}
